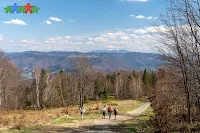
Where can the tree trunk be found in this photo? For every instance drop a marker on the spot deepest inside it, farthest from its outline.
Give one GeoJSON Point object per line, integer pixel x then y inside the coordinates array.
{"type": "Point", "coordinates": [38, 97]}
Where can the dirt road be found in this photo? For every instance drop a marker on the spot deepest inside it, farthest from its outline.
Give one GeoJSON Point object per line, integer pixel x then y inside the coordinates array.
{"type": "Point", "coordinates": [96, 125]}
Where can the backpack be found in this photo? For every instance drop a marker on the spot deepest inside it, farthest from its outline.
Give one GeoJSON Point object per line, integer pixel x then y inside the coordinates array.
{"type": "Point", "coordinates": [82, 110]}
{"type": "Point", "coordinates": [109, 109]}
{"type": "Point", "coordinates": [103, 110]}
{"type": "Point", "coordinates": [115, 111]}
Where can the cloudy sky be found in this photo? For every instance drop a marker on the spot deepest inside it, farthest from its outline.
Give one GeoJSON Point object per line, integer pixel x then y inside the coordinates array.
{"type": "Point", "coordinates": [80, 25]}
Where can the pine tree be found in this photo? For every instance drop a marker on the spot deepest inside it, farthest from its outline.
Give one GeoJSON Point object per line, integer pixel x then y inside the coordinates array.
{"type": "Point", "coordinates": [145, 78]}
{"type": "Point", "coordinates": [153, 80]}
{"type": "Point", "coordinates": [97, 90]}
{"type": "Point", "coordinates": [105, 93]}
{"type": "Point", "coordinates": [146, 81]}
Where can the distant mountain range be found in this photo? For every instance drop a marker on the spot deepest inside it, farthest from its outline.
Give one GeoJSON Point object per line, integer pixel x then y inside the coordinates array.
{"type": "Point", "coordinates": [110, 51]}
{"type": "Point", "coordinates": [104, 60]}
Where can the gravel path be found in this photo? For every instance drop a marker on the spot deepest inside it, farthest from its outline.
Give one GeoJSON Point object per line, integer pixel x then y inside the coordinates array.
{"type": "Point", "coordinates": [96, 125]}
{"type": "Point", "coordinates": [139, 110]}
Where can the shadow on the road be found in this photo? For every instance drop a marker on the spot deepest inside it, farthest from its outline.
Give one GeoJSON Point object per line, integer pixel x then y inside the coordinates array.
{"type": "Point", "coordinates": [121, 128]}
{"type": "Point", "coordinates": [89, 129]}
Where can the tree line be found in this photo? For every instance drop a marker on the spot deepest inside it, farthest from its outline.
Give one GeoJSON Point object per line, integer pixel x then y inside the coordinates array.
{"type": "Point", "coordinates": [49, 89]}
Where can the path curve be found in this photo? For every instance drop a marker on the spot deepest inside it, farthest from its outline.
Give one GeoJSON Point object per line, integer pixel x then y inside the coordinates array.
{"type": "Point", "coordinates": [139, 110]}
{"type": "Point", "coordinates": [120, 118]}
{"type": "Point", "coordinates": [98, 123]}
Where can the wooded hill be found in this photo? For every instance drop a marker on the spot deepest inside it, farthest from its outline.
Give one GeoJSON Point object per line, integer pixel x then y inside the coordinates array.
{"type": "Point", "coordinates": [104, 61]}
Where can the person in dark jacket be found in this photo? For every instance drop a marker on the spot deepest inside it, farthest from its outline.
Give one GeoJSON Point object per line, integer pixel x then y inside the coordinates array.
{"type": "Point", "coordinates": [115, 112]}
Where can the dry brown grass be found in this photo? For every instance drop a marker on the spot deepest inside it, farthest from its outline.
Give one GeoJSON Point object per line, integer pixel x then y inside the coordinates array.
{"type": "Point", "coordinates": [19, 119]}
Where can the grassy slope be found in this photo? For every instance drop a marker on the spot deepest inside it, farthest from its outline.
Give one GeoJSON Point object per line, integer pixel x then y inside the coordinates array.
{"type": "Point", "coordinates": [28, 120]}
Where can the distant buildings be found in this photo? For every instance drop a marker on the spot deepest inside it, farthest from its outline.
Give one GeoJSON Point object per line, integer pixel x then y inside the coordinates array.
{"type": "Point", "coordinates": [27, 73]}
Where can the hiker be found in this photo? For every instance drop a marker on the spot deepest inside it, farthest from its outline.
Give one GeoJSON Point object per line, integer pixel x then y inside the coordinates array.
{"type": "Point", "coordinates": [109, 111]}
{"type": "Point", "coordinates": [103, 111]}
{"type": "Point", "coordinates": [115, 112]}
{"type": "Point", "coordinates": [82, 111]}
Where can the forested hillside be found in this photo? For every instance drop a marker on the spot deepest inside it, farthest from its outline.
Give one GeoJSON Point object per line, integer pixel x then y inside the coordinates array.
{"type": "Point", "coordinates": [101, 61]}
{"type": "Point", "coordinates": [61, 89]}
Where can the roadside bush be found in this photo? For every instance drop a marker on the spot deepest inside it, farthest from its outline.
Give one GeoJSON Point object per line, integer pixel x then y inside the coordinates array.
{"type": "Point", "coordinates": [170, 106]}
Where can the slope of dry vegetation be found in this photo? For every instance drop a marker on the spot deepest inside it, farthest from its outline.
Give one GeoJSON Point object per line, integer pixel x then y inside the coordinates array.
{"type": "Point", "coordinates": [20, 119]}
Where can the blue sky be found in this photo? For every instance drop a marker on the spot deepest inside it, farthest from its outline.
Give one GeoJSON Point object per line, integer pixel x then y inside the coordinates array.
{"type": "Point", "coordinates": [80, 25]}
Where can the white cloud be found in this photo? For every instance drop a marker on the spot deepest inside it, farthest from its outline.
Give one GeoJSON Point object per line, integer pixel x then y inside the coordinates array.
{"type": "Point", "coordinates": [50, 19]}
{"type": "Point", "coordinates": [152, 29]}
{"type": "Point", "coordinates": [24, 45]}
{"type": "Point", "coordinates": [67, 37]}
{"type": "Point", "coordinates": [48, 22]}
{"type": "Point", "coordinates": [90, 39]}
{"type": "Point", "coordinates": [121, 40]}
{"type": "Point", "coordinates": [89, 42]}
{"type": "Point", "coordinates": [110, 46]}
{"type": "Point", "coordinates": [142, 17]}
{"type": "Point", "coordinates": [55, 19]}
{"type": "Point", "coordinates": [113, 35]}
{"type": "Point", "coordinates": [133, 35]}
{"type": "Point", "coordinates": [15, 21]}
{"type": "Point", "coordinates": [60, 39]}
{"type": "Point", "coordinates": [141, 31]}
{"type": "Point", "coordinates": [127, 40]}
{"type": "Point", "coordinates": [30, 41]}
{"type": "Point", "coordinates": [1, 38]}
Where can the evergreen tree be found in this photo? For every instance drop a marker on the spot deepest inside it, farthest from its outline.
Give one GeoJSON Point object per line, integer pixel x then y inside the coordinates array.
{"type": "Point", "coordinates": [153, 80]}
{"type": "Point", "coordinates": [145, 78]}
{"type": "Point", "coordinates": [146, 81]}
{"type": "Point", "coordinates": [97, 90]}
{"type": "Point", "coordinates": [105, 93]}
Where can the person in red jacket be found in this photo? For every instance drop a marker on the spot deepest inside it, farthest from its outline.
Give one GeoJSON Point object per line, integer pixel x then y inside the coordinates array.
{"type": "Point", "coordinates": [109, 111]}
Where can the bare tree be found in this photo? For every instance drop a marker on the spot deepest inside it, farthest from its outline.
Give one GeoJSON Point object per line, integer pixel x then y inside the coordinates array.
{"type": "Point", "coordinates": [49, 82]}
{"type": "Point", "coordinates": [37, 81]}
{"type": "Point", "coordinates": [84, 76]}
{"type": "Point", "coordinates": [10, 81]}
{"type": "Point", "coordinates": [181, 40]}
